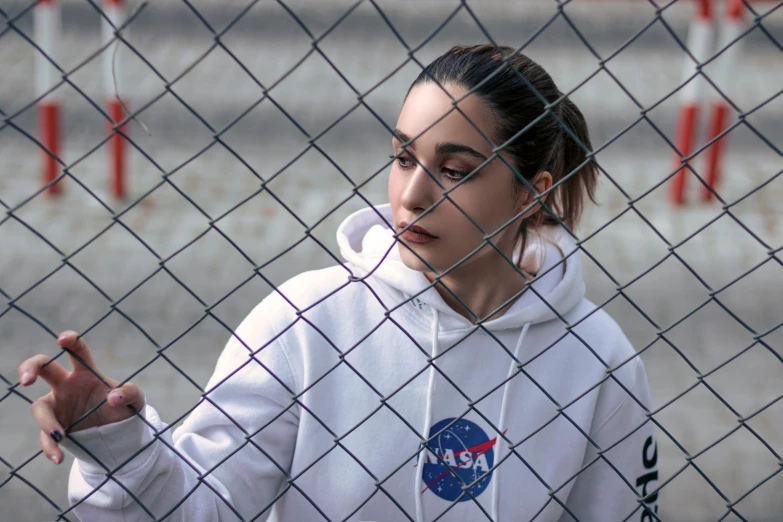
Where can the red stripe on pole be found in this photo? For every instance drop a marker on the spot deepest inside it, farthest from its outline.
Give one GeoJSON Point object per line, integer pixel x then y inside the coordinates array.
{"type": "Point", "coordinates": [117, 150]}
{"type": "Point", "coordinates": [720, 112]}
{"type": "Point", "coordinates": [735, 10]}
{"type": "Point", "coordinates": [49, 128]}
{"type": "Point", "coordinates": [704, 9]}
{"type": "Point", "coordinates": [686, 136]}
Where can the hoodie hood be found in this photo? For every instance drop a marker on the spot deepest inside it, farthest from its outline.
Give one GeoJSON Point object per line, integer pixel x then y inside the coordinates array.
{"type": "Point", "coordinates": [366, 239]}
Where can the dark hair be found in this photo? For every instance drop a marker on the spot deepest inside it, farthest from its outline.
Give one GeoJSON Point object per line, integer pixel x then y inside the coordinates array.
{"type": "Point", "coordinates": [545, 146]}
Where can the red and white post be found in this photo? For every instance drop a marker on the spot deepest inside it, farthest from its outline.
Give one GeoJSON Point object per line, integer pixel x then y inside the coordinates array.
{"type": "Point", "coordinates": [700, 35]}
{"type": "Point", "coordinates": [112, 84]}
{"type": "Point", "coordinates": [732, 28]}
{"type": "Point", "coordinates": [47, 30]}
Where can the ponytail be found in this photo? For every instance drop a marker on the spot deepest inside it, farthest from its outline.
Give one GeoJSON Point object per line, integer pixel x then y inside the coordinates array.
{"type": "Point", "coordinates": [568, 162]}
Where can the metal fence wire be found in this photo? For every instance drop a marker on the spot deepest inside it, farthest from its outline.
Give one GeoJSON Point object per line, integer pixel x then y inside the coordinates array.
{"type": "Point", "coordinates": [73, 230]}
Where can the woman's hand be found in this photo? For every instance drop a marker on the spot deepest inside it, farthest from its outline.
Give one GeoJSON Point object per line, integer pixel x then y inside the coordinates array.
{"type": "Point", "coordinates": [75, 393]}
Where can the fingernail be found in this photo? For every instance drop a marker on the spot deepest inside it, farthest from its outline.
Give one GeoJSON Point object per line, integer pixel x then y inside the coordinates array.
{"type": "Point", "coordinates": [115, 398]}
{"type": "Point", "coordinates": [26, 376]}
{"type": "Point", "coordinates": [61, 338]}
{"type": "Point", "coordinates": [54, 459]}
{"type": "Point", "coordinates": [56, 435]}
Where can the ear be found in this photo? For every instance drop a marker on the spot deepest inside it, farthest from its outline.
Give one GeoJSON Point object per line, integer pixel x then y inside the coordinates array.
{"type": "Point", "coordinates": [542, 182]}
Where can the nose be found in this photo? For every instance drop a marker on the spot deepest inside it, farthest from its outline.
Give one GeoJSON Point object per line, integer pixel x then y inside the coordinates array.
{"type": "Point", "coordinates": [421, 191]}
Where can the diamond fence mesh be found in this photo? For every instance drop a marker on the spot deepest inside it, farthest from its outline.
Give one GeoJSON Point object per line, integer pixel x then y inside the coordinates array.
{"type": "Point", "coordinates": [254, 129]}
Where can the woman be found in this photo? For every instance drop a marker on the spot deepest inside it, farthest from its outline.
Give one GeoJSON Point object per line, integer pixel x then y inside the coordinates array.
{"type": "Point", "coordinates": [451, 369]}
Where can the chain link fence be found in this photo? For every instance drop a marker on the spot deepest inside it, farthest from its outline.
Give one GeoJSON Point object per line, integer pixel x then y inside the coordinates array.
{"type": "Point", "coordinates": [255, 128]}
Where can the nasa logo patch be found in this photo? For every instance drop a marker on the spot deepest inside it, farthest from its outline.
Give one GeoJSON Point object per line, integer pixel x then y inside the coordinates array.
{"type": "Point", "coordinates": [469, 453]}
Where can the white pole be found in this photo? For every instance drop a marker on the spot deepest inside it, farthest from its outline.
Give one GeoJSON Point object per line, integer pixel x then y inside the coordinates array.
{"type": "Point", "coordinates": [723, 77]}
{"type": "Point", "coordinates": [700, 38]}
{"type": "Point", "coordinates": [47, 31]}
{"type": "Point", "coordinates": [112, 86]}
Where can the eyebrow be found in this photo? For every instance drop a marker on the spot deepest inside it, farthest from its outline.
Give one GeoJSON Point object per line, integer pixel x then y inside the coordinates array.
{"type": "Point", "coordinates": [442, 148]}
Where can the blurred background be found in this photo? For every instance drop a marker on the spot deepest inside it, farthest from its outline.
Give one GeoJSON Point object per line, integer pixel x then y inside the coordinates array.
{"type": "Point", "coordinates": [716, 297]}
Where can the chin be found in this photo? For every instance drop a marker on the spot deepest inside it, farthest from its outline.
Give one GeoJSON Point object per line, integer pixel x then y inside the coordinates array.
{"type": "Point", "coordinates": [410, 260]}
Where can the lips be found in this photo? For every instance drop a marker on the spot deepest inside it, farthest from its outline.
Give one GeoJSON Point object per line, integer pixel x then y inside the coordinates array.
{"type": "Point", "coordinates": [417, 230]}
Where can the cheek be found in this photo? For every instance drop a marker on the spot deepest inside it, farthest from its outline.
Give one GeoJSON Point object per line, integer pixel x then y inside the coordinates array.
{"type": "Point", "coordinates": [394, 188]}
{"type": "Point", "coordinates": [490, 208]}
{"type": "Point", "coordinates": [475, 206]}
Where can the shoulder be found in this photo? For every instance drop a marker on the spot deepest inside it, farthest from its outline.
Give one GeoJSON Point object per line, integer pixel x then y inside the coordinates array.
{"type": "Point", "coordinates": [606, 340]}
{"type": "Point", "coordinates": [626, 385]}
{"type": "Point", "coordinates": [307, 287]}
{"type": "Point", "coordinates": [311, 292]}
{"type": "Point", "coordinates": [600, 330]}
{"type": "Point", "coordinates": [307, 294]}
{"type": "Point", "coordinates": [317, 287]}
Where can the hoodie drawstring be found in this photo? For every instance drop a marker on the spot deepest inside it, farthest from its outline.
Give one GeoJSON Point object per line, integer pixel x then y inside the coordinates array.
{"type": "Point", "coordinates": [502, 422]}
{"type": "Point", "coordinates": [427, 418]}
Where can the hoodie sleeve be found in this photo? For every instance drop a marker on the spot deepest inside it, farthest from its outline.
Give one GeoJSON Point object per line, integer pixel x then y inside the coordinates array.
{"type": "Point", "coordinates": [609, 489]}
{"type": "Point", "coordinates": [230, 457]}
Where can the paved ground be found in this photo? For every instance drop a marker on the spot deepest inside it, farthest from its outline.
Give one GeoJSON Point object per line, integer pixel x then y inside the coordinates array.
{"type": "Point", "coordinates": [268, 42]}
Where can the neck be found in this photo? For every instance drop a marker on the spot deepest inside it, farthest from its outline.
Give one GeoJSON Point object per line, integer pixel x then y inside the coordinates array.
{"type": "Point", "coordinates": [481, 287]}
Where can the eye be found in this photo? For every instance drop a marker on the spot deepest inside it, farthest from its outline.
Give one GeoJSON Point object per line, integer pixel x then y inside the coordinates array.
{"type": "Point", "coordinates": [455, 175]}
{"type": "Point", "coordinates": [403, 161]}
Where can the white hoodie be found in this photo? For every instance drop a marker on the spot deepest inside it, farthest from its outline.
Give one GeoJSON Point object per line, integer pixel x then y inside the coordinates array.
{"type": "Point", "coordinates": [326, 418]}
